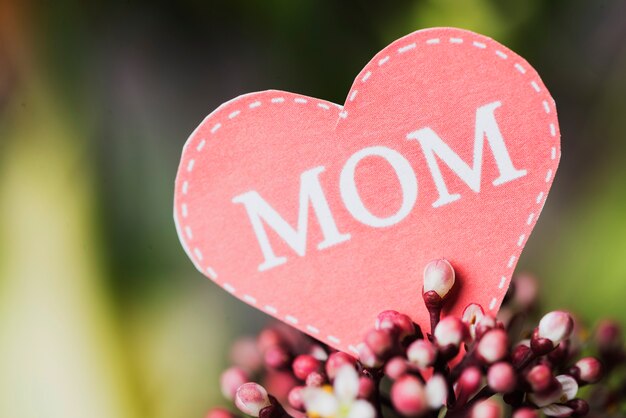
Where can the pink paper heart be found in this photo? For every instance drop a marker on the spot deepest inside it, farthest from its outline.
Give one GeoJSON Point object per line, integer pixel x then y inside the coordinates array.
{"type": "Point", "coordinates": [323, 216]}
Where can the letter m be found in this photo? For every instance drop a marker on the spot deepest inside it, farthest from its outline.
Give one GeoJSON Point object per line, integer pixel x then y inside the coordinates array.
{"type": "Point", "coordinates": [485, 126]}
{"type": "Point", "coordinates": [261, 214]}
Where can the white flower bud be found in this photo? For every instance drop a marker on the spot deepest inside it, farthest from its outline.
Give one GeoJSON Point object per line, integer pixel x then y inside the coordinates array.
{"type": "Point", "coordinates": [251, 398]}
{"type": "Point", "coordinates": [439, 277]}
{"type": "Point", "coordinates": [556, 326]}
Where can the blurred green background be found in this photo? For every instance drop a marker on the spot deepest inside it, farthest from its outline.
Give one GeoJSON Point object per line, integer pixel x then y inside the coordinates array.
{"type": "Point", "coordinates": [101, 313]}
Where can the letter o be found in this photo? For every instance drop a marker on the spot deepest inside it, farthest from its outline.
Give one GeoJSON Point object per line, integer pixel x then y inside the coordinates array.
{"type": "Point", "coordinates": [350, 195]}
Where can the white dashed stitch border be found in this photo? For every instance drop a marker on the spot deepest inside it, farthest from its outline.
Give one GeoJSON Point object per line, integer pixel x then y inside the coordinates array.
{"type": "Point", "coordinates": [343, 114]}
{"type": "Point", "coordinates": [211, 273]}
{"type": "Point", "coordinates": [502, 282]}
{"type": "Point", "coordinates": [552, 128]}
{"type": "Point", "coordinates": [185, 209]}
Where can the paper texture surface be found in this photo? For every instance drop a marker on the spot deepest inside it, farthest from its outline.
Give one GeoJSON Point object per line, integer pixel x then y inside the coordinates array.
{"type": "Point", "coordinates": [334, 259]}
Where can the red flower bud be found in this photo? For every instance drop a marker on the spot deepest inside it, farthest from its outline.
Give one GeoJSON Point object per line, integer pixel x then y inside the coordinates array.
{"type": "Point", "coordinates": [468, 384]}
{"type": "Point", "coordinates": [540, 346]}
{"type": "Point", "coordinates": [279, 383]}
{"type": "Point", "coordinates": [520, 354]}
{"type": "Point", "coordinates": [560, 353]}
{"type": "Point", "coordinates": [390, 320]}
{"type": "Point", "coordinates": [409, 396]}
{"type": "Point", "coordinates": [305, 364]}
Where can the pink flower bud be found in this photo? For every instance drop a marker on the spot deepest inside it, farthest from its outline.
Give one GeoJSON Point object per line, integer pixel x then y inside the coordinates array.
{"type": "Point", "coordinates": [493, 346]}
{"type": "Point", "coordinates": [276, 357]}
{"type": "Point", "coordinates": [305, 364]}
{"type": "Point", "coordinates": [295, 398]}
{"type": "Point", "coordinates": [438, 277]}
{"type": "Point", "coordinates": [540, 378]}
{"type": "Point", "coordinates": [389, 320]}
{"type": "Point", "coordinates": [396, 368]}
{"type": "Point", "coordinates": [486, 323]}
{"type": "Point", "coordinates": [472, 315]}
{"type": "Point", "coordinates": [589, 370]}
{"type": "Point", "coordinates": [560, 353]}
{"type": "Point", "coordinates": [551, 400]}
{"type": "Point", "coordinates": [245, 354]}
{"type": "Point", "coordinates": [526, 412]}
{"type": "Point", "coordinates": [366, 387]}
{"type": "Point", "coordinates": [580, 407]}
{"type": "Point", "coordinates": [555, 326]}
{"type": "Point", "coordinates": [540, 346]}
{"type": "Point", "coordinates": [251, 398]}
{"type": "Point", "coordinates": [467, 385]}
{"type": "Point", "coordinates": [318, 352]}
{"type": "Point", "coordinates": [379, 341]}
{"type": "Point", "coordinates": [436, 391]}
{"type": "Point", "coordinates": [279, 383]}
{"type": "Point", "coordinates": [408, 396]}
{"type": "Point", "coordinates": [501, 377]}
{"type": "Point", "coordinates": [488, 408]}
{"type": "Point", "coordinates": [219, 413]}
{"type": "Point", "coordinates": [422, 353]}
{"type": "Point", "coordinates": [520, 353]}
{"type": "Point", "coordinates": [362, 409]}
{"type": "Point", "coordinates": [336, 360]}
{"type": "Point", "coordinates": [269, 337]}
{"type": "Point", "coordinates": [450, 331]}
{"type": "Point", "coordinates": [506, 314]}
{"type": "Point", "coordinates": [609, 336]}
{"type": "Point", "coordinates": [231, 379]}
{"type": "Point", "coordinates": [346, 384]}
{"type": "Point", "coordinates": [367, 357]}
{"type": "Point", "coordinates": [525, 293]}
{"type": "Point", "coordinates": [315, 379]}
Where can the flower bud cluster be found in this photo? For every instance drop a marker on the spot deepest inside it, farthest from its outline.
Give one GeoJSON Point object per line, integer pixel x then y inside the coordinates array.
{"type": "Point", "coordinates": [469, 365]}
